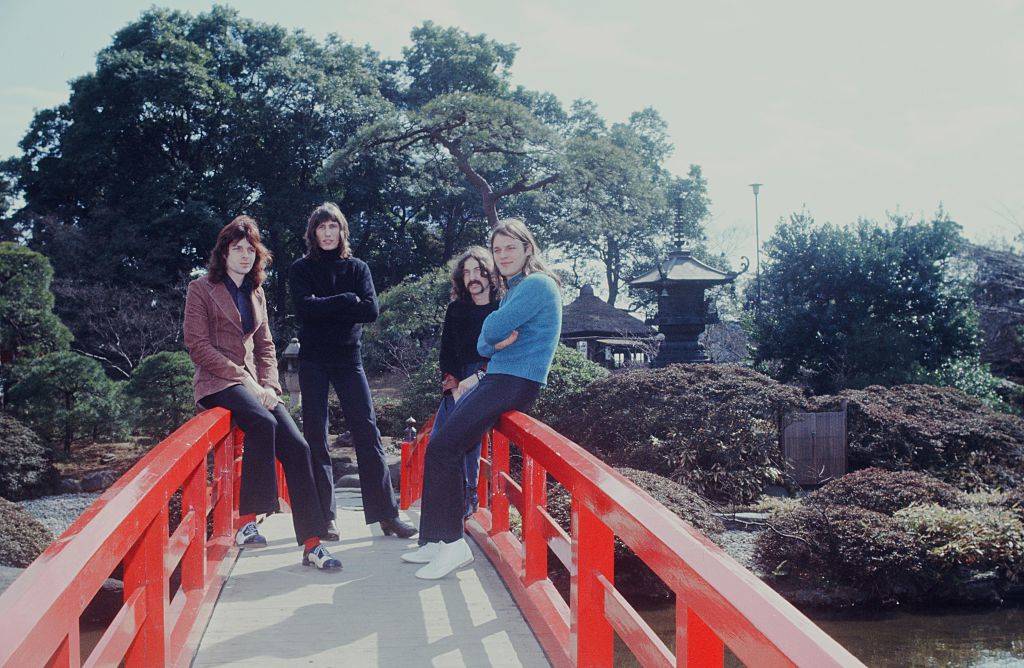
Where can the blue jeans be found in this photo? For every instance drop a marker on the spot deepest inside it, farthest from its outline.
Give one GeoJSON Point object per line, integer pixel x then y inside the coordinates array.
{"type": "Point", "coordinates": [471, 465]}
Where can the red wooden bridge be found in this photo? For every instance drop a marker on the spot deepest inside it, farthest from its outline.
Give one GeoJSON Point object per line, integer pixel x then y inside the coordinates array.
{"type": "Point", "coordinates": [172, 578]}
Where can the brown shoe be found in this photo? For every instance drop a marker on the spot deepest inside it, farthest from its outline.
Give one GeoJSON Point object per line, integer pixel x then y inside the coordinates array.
{"type": "Point", "coordinates": [331, 532]}
{"type": "Point", "coordinates": [397, 527]}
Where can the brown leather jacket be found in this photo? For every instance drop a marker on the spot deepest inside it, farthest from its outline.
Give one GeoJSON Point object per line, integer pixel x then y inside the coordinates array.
{"type": "Point", "coordinates": [221, 352]}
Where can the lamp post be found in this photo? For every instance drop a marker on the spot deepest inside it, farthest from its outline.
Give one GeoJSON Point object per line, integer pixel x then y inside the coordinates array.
{"type": "Point", "coordinates": [757, 240]}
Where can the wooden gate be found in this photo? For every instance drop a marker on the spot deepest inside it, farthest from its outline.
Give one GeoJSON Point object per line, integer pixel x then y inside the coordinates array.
{"type": "Point", "coordinates": [815, 445]}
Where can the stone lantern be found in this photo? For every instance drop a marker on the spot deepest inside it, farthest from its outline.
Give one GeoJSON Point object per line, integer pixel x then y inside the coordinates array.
{"type": "Point", "coordinates": [683, 310]}
{"type": "Point", "coordinates": [290, 377]}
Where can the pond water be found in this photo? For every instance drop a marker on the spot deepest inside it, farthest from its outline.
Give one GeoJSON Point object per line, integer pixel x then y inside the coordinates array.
{"type": "Point", "coordinates": [971, 638]}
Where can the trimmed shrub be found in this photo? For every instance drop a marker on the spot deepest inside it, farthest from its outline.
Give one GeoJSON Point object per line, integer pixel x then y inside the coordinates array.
{"type": "Point", "coordinates": [571, 373]}
{"type": "Point", "coordinates": [712, 428]}
{"type": "Point", "coordinates": [835, 546]}
{"type": "Point", "coordinates": [632, 576]}
{"type": "Point", "coordinates": [408, 329]}
{"type": "Point", "coordinates": [27, 470]}
{"type": "Point", "coordinates": [65, 397]}
{"type": "Point", "coordinates": [22, 537]}
{"type": "Point", "coordinates": [422, 394]}
{"type": "Point", "coordinates": [1014, 501]}
{"type": "Point", "coordinates": [939, 430]}
{"type": "Point", "coordinates": [885, 491]}
{"type": "Point", "coordinates": [978, 539]}
{"type": "Point", "coordinates": [390, 420]}
{"type": "Point", "coordinates": [160, 392]}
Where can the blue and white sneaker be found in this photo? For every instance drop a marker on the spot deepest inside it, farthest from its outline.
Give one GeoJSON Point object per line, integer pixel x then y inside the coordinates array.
{"type": "Point", "coordinates": [321, 559]}
{"type": "Point", "coordinates": [249, 536]}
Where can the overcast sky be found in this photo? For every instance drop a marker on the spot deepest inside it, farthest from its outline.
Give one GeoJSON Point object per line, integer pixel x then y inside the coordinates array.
{"type": "Point", "coordinates": [849, 109]}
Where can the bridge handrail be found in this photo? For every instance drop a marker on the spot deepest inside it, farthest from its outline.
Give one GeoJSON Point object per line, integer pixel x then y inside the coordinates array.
{"type": "Point", "coordinates": [128, 525]}
{"type": "Point", "coordinates": [719, 603]}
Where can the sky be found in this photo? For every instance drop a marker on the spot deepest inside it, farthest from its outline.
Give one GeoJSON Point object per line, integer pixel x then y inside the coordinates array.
{"type": "Point", "coordinates": [847, 110]}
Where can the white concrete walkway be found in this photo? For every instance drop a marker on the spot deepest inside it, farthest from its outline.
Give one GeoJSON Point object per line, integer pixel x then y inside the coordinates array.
{"type": "Point", "coordinates": [275, 612]}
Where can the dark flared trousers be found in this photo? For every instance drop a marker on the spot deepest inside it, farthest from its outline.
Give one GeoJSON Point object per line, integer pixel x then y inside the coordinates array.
{"type": "Point", "coordinates": [444, 486]}
{"type": "Point", "coordinates": [353, 392]}
{"type": "Point", "coordinates": [271, 435]}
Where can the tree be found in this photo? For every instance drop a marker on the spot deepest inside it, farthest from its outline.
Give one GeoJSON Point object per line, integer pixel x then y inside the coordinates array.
{"type": "Point", "coordinates": [64, 396]}
{"type": "Point", "coordinates": [862, 304]}
{"type": "Point", "coordinates": [27, 470]}
{"type": "Point", "coordinates": [160, 391]}
{"type": "Point", "coordinates": [490, 140]}
{"type": "Point", "coordinates": [28, 326]}
{"type": "Point", "coordinates": [120, 325]}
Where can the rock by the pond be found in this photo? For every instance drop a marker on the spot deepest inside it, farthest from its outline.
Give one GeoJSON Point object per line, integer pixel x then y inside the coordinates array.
{"type": "Point", "coordinates": [69, 486]}
{"type": "Point", "coordinates": [348, 481]}
{"type": "Point", "coordinates": [98, 481]}
{"type": "Point", "coordinates": [106, 603]}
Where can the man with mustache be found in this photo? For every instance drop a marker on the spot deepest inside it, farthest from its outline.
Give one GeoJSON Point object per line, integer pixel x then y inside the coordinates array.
{"type": "Point", "coordinates": [474, 296]}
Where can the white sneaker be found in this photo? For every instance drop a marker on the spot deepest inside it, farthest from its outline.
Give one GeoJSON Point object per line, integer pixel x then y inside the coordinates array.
{"type": "Point", "coordinates": [450, 557]}
{"type": "Point", "coordinates": [424, 555]}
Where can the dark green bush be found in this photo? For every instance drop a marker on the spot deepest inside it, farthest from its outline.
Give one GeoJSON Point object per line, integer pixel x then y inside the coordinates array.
{"type": "Point", "coordinates": [160, 393]}
{"type": "Point", "coordinates": [390, 420]}
{"type": "Point", "coordinates": [571, 373]}
{"type": "Point", "coordinates": [26, 471]}
{"type": "Point", "coordinates": [938, 430]}
{"type": "Point", "coordinates": [711, 427]}
{"type": "Point", "coordinates": [885, 491]}
{"type": "Point", "coordinates": [632, 576]}
{"type": "Point", "coordinates": [832, 546]}
{"type": "Point", "coordinates": [409, 327]}
{"type": "Point", "coordinates": [22, 537]}
{"type": "Point", "coordinates": [979, 539]}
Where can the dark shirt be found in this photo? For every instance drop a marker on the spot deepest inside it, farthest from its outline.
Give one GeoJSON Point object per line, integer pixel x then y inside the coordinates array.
{"type": "Point", "coordinates": [462, 323]}
{"type": "Point", "coordinates": [332, 298]}
{"type": "Point", "coordinates": [242, 296]}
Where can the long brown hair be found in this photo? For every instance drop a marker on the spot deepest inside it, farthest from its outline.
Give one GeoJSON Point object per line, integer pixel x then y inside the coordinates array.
{"type": "Point", "coordinates": [516, 229]}
{"type": "Point", "coordinates": [241, 227]}
{"type": "Point", "coordinates": [321, 214]}
{"type": "Point", "coordinates": [459, 290]}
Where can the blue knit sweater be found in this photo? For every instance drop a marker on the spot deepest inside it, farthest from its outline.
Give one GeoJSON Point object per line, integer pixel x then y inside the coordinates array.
{"type": "Point", "coordinates": [533, 307]}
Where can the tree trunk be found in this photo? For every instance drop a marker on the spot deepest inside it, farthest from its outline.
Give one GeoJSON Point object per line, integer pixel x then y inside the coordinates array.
{"type": "Point", "coordinates": [490, 207]}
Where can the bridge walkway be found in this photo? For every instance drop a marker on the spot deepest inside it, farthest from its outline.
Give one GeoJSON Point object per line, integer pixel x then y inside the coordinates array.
{"type": "Point", "coordinates": [274, 611]}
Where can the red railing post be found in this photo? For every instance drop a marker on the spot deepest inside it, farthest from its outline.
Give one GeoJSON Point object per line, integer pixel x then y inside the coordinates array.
{"type": "Point", "coordinates": [144, 569]}
{"type": "Point", "coordinates": [593, 552]}
{"type": "Point", "coordinates": [69, 653]}
{"type": "Point", "coordinates": [224, 468]}
{"type": "Point", "coordinates": [236, 467]}
{"type": "Point", "coordinates": [697, 646]}
{"type": "Point", "coordinates": [483, 481]}
{"type": "Point", "coordinates": [499, 497]}
{"type": "Point", "coordinates": [193, 498]}
{"type": "Point", "coordinates": [405, 481]}
{"type": "Point", "coordinates": [535, 564]}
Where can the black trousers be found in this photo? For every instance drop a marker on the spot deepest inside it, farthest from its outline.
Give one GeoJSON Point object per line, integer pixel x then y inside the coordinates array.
{"type": "Point", "coordinates": [353, 392]}
{"type": "Point", "coordinates": [444, 487]}
{"type": "Point", "coordinates": [271, 435]}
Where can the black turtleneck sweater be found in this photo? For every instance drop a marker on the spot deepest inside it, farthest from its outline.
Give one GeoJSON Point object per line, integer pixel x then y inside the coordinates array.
{"type": "Point", "coordinates": [462, 323]}
{"type": "Point", "coordinates": [332, 297]}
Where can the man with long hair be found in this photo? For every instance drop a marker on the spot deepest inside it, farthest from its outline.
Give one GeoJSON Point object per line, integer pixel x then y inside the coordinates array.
{"type": "Point", "coordinates": [229, 341]}
{"type": "Point", "coordinates": [520, 338]}
{"type": "Point", "coordinates": [334, 296]}
{"type": "Point", "coordinates": [474, 296]}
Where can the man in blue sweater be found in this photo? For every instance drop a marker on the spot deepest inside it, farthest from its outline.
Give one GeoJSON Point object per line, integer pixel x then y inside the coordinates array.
{"type": "Point", "coordinates": [520, 338]}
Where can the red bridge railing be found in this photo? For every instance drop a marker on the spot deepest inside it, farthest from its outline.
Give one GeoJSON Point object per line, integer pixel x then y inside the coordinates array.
{"type": "Point", "coordinates": [128, 526]}
{"type": "Point", "coordinates": [719, 603]}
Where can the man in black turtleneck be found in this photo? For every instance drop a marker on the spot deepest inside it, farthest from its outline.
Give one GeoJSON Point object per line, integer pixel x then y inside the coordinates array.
{"type": "Point", "coordinates": [333, 294]}
{"type": "Point", "coordinates": [474, 297]}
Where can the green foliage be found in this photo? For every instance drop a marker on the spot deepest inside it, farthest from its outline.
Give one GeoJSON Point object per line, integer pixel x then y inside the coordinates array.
{"type": "Point", "coordinates": [28, 326]}
{"type": "Point", "coordinates": [978, 539]}
{"type": "Point", "coordinates": [27, 470]}
{"type": "Point", "coordinates": [571, 373]}
{"type": "Point", "coordinates": [835, 546]}
{"type": "Point", "coordinates": [422, 394]}
{"type": "Point", "coordinates": [160, 392]}
{"type": "Point", "coordinates": [22, 537]}
{"type": "Point", "coordinates": [971, 376]}
{"type": "Point", "coordinates": [408, 329]}
{"type": "Point", "coordinates": [885, 491]}
{"type": "Point", "coordinates": [862, 304]}
{"type": "Point", "coordinates": [938, 430]}
{"type": "Point", "coordinates": [65, 397]}
{"type": "Point", "coordinates": [710, 427]}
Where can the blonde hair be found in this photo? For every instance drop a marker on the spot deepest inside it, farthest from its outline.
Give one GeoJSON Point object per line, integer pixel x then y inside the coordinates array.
{"type": "Point", "coordinates": [514, 228]}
